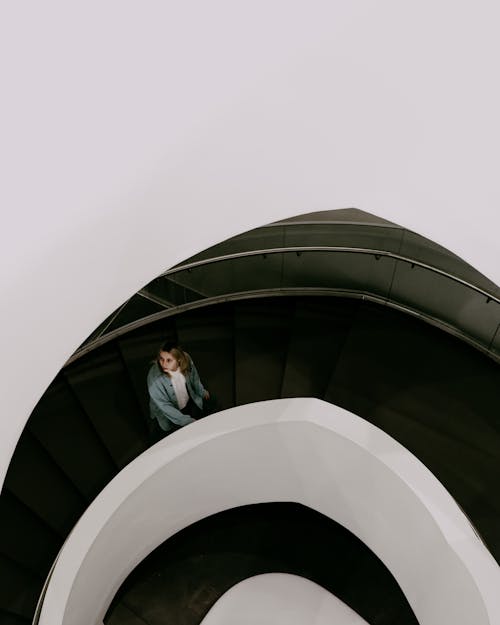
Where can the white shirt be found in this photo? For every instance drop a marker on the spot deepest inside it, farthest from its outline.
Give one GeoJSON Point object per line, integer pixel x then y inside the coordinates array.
{"type": "Point", "coordinates": [179, 383]}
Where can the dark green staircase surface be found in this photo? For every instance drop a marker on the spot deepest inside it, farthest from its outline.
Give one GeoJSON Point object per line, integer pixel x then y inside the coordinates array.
{"type": "Point", "coordinates": [261, 337]}
{"type": "Point", "coordinates": [19, 589]}
{"type": "Point", "coordinates": [435, 394]}
{"type": "Point", "coordinates": [8, 618]}
{"type": "Point", "coordinates": [317, 339]}
{"type": "Point", "coordinates": [110, 403]}
{"type": "Point", "coordinates": [63, 428]}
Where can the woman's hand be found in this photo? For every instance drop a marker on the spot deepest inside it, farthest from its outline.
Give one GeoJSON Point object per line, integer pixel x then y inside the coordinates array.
{"type": "Point", "coordinates": [206, 395]}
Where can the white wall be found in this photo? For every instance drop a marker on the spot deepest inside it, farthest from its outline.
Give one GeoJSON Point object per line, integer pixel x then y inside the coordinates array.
{"type": "Point", "coordinates": [280, 599]}
{"type": "Point", "coordinates": [135, 134]}
{"type": "Point", "coordinates": [302, 450]}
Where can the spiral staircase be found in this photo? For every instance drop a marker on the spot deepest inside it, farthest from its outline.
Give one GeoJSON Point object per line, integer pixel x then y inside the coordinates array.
{"type": "Point", "coordinates": [350, 311]}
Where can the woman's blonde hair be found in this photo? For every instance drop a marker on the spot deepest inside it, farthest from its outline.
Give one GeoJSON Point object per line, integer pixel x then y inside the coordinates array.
{"type": "Point", "coordinates": [178, 353]}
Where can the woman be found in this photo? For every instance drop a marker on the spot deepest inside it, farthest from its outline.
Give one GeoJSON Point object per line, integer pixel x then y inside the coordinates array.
{"type": "Point", "coordinates": [176, 393]}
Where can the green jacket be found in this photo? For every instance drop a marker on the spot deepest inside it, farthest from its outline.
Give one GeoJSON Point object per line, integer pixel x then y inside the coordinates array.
{"type": "Point", "coordinates": [163, 405]}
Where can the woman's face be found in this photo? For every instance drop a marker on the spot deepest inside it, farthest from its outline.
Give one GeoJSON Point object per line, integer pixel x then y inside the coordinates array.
{"type": "Point", "coordinates": [167, 362]}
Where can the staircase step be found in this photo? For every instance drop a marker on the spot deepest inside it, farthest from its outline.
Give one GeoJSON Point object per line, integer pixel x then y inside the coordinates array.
{"type": "Point", "coordinates": [41, 486]}
{"type": "Point", "coordinates": [319, 333]}
{"type": "Point", "coordinates": [262, 331]}
{"type": "Point", "coordinates": [123, 615]}
{"type": "Point", "coordinates": [59, 421]}
{"type": "Point", "coordinates": [37, 548]}
{"type": "Point", "coordinates": [19, 589]}
{"type": "Point", "coordinates": [104, 391]}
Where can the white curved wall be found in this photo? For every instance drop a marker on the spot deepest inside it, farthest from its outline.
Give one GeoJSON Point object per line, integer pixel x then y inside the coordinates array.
{"type": "Point", "coordinates": [280, 599]}
{"type": "Point", "coordinates": [135, 134]}
{"type": "Point", "coordinates": [301, 450]}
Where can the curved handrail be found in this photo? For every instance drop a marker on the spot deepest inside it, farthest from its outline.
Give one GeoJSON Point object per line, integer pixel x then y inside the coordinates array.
{"type": "Point", "coordinates": [39, 604]}
{"type": "Point", "coordinates": [326, 248]}
{"type": "Point", "coordinates": [94, 342]}
{"type": "Point", "coordinates": [275, 292]}
{"type": "Point", "coordinates": [333, 222]}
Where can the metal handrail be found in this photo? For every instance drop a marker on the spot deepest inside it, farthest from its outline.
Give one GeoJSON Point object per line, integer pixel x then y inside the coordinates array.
{"type": "Point", "coordinates": [332, 222]}
{"type": "Point", "coordinates": [277, 292]}
{"type": "Point", "coordinates": [86, 348]}
{"type": "Point", "coordinates": [335, 249]}
{"type": "Point", "coordinates": [41, 598]}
